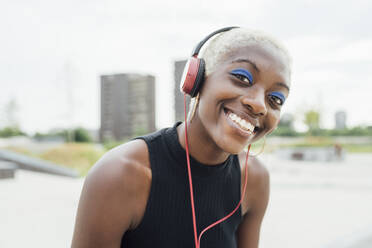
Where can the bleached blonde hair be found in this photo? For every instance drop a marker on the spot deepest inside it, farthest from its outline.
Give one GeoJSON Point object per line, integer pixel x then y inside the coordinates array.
{"type": "Point", "coordinates": [213, 51]}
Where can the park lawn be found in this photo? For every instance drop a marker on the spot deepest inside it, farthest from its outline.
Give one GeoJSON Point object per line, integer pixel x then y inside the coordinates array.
{"type": "Point", "coordinates": [356, 148]}
{"type": "Point", "coordinates": [351, 148]}
{"type": "Point", "coordinates": [78, 156]}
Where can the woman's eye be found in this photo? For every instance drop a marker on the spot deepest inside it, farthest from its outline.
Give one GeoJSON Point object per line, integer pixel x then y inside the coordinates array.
{"type": "Point", "coordinates": [277, 98]}
{"type": "Point", "coordinates": [242, 75]}
{"type": "Point", "coordinates": [242, 78]}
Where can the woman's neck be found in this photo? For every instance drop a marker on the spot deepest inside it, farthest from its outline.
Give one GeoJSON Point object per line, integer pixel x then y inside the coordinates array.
{"type": "Point", "coordinates": [201, 146]}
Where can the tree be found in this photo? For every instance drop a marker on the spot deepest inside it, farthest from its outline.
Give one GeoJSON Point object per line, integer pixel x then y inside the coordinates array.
{"type": "Point", "coordinates": [11, 131]}
{"type": "Point", "coordinates": [312, 119]}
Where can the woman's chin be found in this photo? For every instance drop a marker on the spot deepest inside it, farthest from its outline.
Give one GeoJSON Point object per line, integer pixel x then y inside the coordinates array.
{"type": "Point", "coordinates": [233, 147]}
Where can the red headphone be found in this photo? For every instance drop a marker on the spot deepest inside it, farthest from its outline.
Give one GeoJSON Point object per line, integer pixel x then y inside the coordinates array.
{"type": "Point", "coordinates": [193, 74]}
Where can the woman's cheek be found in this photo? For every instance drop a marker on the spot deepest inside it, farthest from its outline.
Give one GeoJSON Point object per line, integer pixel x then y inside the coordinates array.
{"type": "Point", "coordinates": [274, 122]}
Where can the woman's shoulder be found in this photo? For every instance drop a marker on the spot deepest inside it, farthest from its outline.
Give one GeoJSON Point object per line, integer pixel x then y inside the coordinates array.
{"type": "Point", "coordinates": [123, 175]}
{"type": "Point", "coordinates": [114, 196]}
{"type": "Point", "coordinates": [256, 168]}
{"type": "Point", "coordinates": [123, 163]}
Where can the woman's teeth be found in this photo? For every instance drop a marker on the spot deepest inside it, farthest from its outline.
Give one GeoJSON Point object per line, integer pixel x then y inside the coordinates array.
{"type": "Point", "coordinates": [241, 122]}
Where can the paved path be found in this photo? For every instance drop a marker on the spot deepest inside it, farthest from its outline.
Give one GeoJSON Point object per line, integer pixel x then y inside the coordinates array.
{"type": "Point", "coordinates": [312, 205]}
{"type": "Point", "coordinates": [319, 205]}
{"type": "Point", "coordinates": [37, 210]}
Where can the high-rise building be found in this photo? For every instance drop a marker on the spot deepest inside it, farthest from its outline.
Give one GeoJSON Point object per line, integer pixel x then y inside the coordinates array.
{"type": "Point", "coordinates": [340, 120]}
{"type": "Point", "coordinates": [127, 105]}
{"type": "Point", "coordinates": [178, 96]}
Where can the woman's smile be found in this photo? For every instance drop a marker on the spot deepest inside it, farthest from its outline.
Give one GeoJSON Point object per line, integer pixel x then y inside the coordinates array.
{"type": "Point", "coordinates": [240, 122]}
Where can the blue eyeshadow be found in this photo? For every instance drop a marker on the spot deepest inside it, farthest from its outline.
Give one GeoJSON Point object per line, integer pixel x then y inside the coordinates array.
{"type": "Point", "coordinates": [243, 72]}
{"type": "Point", "coordinates": [279, 95]}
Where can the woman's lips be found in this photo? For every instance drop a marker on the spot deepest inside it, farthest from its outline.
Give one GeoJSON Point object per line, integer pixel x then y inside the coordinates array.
{"type": "Point", "coordinates": [240, 125]}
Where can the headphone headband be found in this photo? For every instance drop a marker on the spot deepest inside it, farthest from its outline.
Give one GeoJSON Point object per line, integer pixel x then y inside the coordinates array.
{"type": "Point", "coordinates": [201, 43]}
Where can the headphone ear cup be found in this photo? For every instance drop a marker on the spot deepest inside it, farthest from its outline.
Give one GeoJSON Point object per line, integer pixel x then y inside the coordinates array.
{"type": "Point", "coordinates": [199, 78]}
{"type": "Point", "coordinates": [193, 76]}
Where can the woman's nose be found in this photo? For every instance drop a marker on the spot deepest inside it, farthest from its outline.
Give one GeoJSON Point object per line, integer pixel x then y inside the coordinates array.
{"type": "Point", "coordinates": [254, 100]}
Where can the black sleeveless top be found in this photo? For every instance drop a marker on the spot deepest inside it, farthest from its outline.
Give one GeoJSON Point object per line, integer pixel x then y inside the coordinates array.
{"type": "Point", "coordinates": [167, 221]}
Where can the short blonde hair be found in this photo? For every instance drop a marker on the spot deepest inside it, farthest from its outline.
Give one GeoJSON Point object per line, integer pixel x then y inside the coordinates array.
{"type": "Point", "coordinates": [212, 52]}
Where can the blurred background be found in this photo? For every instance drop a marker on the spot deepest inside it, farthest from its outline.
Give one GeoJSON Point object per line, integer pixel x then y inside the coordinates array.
{"type": "Point", "coordinates": [80, 77]}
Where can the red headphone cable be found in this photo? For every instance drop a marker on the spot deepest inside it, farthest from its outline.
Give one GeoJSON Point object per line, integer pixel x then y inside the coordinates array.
{"type": "Point", "coordinates": [197, 240]}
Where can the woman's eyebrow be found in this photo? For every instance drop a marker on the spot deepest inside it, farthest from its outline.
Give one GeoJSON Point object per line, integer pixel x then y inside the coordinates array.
{"type": "Point", "coordinates": [282, 85]}
{"type": "Point", "coordinates": [247, 61]}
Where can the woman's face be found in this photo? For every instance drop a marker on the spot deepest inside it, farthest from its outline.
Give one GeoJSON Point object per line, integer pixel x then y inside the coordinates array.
{"type": "Point", "coordinates": [241, 100]}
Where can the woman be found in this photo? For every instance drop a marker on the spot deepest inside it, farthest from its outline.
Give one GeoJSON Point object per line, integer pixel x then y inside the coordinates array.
{"type": "Point", "coordinates": [138, 194]}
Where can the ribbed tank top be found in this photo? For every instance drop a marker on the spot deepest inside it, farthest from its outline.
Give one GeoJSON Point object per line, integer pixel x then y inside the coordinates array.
{"type": "Point", "coordinates": [167, 221]}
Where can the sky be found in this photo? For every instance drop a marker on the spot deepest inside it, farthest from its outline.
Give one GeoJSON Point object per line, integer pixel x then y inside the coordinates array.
{"type": "Point", "coordinates": [53, 52]}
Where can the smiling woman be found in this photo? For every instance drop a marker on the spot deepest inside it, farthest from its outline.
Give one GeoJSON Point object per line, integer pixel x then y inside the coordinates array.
{"type": "Point", "coordinates": [164, 189]}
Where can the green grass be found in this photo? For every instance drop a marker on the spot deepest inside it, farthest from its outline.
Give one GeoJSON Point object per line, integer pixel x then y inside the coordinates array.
{"type": "Point", "coordinates": [77, 156]}
{"type": "Point", "coordinates": [328, 142]}
{"type": "Point", "coordinates": [356, 148]}
{"type": "Point", "coordinates": [313, 142]}
{"type": "Point", "coordinates": [351, 148]}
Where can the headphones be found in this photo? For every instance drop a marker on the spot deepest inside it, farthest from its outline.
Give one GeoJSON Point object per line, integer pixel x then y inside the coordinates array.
{"type": "Point", "coordinates": [192, 80]}
{"type": "Point", "coordinates": [193, 74]}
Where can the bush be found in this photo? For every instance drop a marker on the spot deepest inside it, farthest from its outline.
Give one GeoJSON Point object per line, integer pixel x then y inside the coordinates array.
{"type": "Point", "coordinates": [11, 131]}
{"type": "Point", "coordinates": [76, 135]}
{"type": "Point", "coordinates": [81, 135]}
